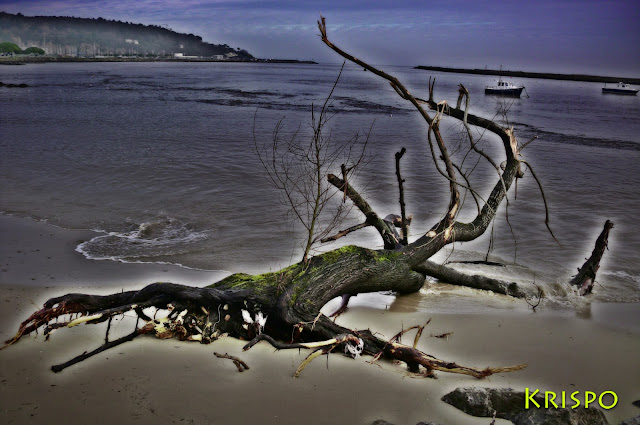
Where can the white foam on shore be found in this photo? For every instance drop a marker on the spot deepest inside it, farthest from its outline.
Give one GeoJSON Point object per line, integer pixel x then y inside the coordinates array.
{"type": "Point", "coordinates": [164, 263]}
{"type": "Point", "coordinates": [164, 237]}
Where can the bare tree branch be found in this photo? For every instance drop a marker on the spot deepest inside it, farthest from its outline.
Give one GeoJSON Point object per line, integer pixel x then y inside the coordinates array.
{"type": "Point", "coordinates": [297, 168]}
{"type": "Point", "coordinates": [372, 218]}
{"type": "Point", "coordinates": [544, 199]}
{"type": "Point", "coordinates": [405, 229]}
{"type": "Point", "coordinates": [345, 232]}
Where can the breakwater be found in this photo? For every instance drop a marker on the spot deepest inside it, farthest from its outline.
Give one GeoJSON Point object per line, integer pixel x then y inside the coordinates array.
{"type": "Point", "coordinates": [523, 74]}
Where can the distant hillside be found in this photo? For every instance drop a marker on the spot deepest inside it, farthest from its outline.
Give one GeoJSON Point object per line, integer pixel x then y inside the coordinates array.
{"type": "Point", "coordinates": [67, 36]}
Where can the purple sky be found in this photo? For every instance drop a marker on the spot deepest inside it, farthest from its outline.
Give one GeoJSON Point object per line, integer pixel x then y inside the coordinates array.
{"type": "Point", "coordinates": [586, 36]}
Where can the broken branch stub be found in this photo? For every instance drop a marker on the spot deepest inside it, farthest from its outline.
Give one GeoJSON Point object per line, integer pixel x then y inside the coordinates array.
{"type": "Point", "coordinates": [586, 277]}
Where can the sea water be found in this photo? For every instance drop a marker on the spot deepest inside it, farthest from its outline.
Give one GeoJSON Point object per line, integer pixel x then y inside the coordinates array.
{"type": "Point", "coordinates": [158, 158]}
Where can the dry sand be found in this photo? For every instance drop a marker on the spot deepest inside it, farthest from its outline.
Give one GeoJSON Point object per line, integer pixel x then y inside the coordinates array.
{"type": "Point", "coordinates": [149, 381]}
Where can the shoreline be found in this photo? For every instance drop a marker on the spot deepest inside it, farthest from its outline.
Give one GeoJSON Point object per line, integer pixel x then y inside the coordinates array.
{"type": "Point", "coordinates": [19, 60]}
{"type": "Point", "coordinates": [38, 254]}
{"type": "Point", "coordinates": [152, 380]}
{"type": "Point", "coordinates": [56, 262]}
{"type": "Point", "coordinates": [539, 75]}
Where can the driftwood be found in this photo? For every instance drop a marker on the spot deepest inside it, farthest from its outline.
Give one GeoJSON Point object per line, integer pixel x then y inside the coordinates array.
{"type": "Point", "coordinates": [586, 277]}
{"type": "Point", "coordinates": [242, 366]}
{"type": "Point", "coordinates": [285, 305]}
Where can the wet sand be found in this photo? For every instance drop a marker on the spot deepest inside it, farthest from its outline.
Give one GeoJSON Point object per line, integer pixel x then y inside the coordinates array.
{"type": "Point", "coordinates": [149, 381]}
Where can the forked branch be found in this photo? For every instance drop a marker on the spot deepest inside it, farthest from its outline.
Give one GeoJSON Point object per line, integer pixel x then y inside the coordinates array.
{"type": "Point", "coordinates": [372, 218]}
{"type": "Point", "coordinates": [404, 93]}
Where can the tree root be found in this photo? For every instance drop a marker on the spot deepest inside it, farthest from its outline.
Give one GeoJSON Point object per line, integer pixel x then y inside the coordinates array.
{"type": "Point", "coordinates": [337, 340]}
{"type": "Point", "coordinates": [242, 366]}
{"type": "Point", "coordinates": [203, 314]}
{"type": "Point", "coordinates": [414, 357]}
{"type": "Point", "coordinates": [391, 350]}
{"type": "Point", "coordinates": [320, 347]}
{"type": "Point", "coordinates": [310, 357]}
{"type": "Point", "coordinates": [344, 303]}
{"type": "Point", "coordinates": [104, 347]}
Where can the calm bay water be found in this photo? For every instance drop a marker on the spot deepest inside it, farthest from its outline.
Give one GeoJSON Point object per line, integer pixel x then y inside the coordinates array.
{"type": "Point", "coordinates": [157, 156]}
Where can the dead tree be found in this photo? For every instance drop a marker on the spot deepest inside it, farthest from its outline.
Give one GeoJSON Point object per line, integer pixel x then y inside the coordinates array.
{"type": "Point", "coordinates": [285, 305]}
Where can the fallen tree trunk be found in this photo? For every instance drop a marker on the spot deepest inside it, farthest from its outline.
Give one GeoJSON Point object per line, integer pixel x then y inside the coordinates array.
{"type": "Point", "coordinates": [275, 305]}
{"type": "Point", "coordinates": [285, 305]}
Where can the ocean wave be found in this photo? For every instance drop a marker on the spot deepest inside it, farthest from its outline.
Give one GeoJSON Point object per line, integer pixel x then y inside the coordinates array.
{"type": "Point", "coordinates": [350, 107]}
{"type": "Point", "coordinates": [623, 275]}
{"type": "Point", "coordinates": [128, 85]}
{"type": "Point", "coordinates": [359, 104]}
{"type": "Point", "coordinates": [163, 237]}
{"type": "Point", "coordinates": [567, 139]}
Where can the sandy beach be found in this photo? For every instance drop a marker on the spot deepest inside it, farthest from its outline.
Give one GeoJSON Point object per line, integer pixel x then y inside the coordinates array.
{"type": "Point", "coordinates": [149, 381]}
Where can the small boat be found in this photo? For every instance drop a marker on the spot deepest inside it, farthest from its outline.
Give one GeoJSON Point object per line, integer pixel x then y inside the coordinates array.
{"type": "Point", "coordinates": [621, 88]}
{"type": "Point", "coordinates": [504, 88]}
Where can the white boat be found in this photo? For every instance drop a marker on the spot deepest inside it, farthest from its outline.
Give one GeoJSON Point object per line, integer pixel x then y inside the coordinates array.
{"type": "Point", "coordinates": [504, 88]}
{"type": "Point", "coordinates": [621, 88]}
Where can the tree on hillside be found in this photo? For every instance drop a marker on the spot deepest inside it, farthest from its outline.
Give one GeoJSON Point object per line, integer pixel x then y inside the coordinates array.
{"type": "Point", "coordinates": [70, 34]}
{"type": "Point", "coordinates": [285, 305]}
{"type": "Point", "coordinates": [33, 51]}
{"type": "Point", "coordinates": [8, 47]}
